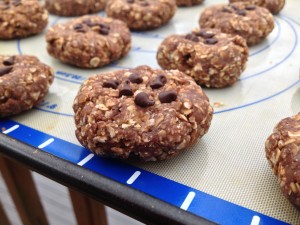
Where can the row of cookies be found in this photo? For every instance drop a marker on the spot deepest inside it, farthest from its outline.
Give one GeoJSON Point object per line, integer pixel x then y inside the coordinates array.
{"type": "Point", "coordinates": [24, 18]}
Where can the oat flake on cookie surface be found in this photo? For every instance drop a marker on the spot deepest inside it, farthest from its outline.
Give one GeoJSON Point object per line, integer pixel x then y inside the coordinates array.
{"type": "Point", "coordinates": [149, 113]}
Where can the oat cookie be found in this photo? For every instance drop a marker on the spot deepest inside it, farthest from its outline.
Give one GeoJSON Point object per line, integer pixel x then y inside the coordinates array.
{"type": "Point", "coordinates": [149, 113]}
{"type": "Point", "coordinates": [74, 7]}
{"type": "Point", "coordinates": [283, 154]}
{"type": "Point", "coordinates": [274, 6]}
{"type": "Point", "coordinates": [89, 41]}
{"type": "Point", "coordinates": [210, 57]}
{"type": "Point", "coordinates": [142, 14]}
{"type": "Point", "coordinates": [24, 82]}
{"type": "Point", "coordinates": [188, 2]}
{"type": "Point", "coordinates": [21, 18]}
{"type": "Point", "coordinates": [252, 22]}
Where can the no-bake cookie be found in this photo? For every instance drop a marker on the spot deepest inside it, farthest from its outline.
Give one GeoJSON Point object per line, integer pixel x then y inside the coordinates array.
{"type": "Point", "coordinates": [21, 18]}
{"type": "Point", "coordinates": [74, 7]}
{"type": "Point", "coordinates": [24, 82]}
{"type": "Point", "coordinates": [274, 6]}
{"type": "Point", "coordinates": [283, 154]}
{"type": "Point", "coordinates": [188, 2]}
{"type": "Point", "coordinates": [89, 41]}
{"type": "Point", "coordinates": [149, 113]}
{"type": "Point", "coordinates": [142, 14]}
{"type": "Point", "coordinates": [210, 57]}
{"type": "Point", "coordinates": [252, 22]}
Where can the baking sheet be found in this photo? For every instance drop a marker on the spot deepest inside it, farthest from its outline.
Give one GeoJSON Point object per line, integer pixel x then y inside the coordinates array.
{"type": "Point", "coordinates": [229, 161]}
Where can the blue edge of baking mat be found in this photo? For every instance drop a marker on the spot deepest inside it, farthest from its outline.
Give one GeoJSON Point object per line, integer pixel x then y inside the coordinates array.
{"type": "Point", "coordinates": [185, 197]}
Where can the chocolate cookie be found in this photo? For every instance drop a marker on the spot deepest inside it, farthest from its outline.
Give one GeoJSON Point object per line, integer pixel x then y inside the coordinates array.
{"type": "Point", "coordinates": [188, 2]}
{"type": "Point", "coordinates": [74, 7]}
{"type": "Point", "coordinates": [210, 57]}
{"type": "Point", "coordinates": [24, 82]}
{"type": "Point", "coordinates": [89, 41]}
{"type": "Point", "coordinates": [252, 22]}
{"type": "Point", "coordinates": [149, 113]}
{"type": "Point", "coordinates": [142, 14]}
{"type": "Point", "coordinates": [274, 6]}
{"type": "Point", "coordinates": [283, 154]}
{"type": "Point", "coordinates": [21, 18]}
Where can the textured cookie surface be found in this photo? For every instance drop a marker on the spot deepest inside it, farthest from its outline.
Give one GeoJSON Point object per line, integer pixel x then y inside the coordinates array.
{"type": "Point", "coordinates": [283, 154]}
{"type": "Point", "coordinates": [74, 7]}
{"type": "Point", "coordinates": [21, 18]}
{"type": "Point", "coordinates": [142, 14]}
{"type": "Point", "coordinates": [188, 2]}
{"type": "Point", "coordinates": [24, 82]}
{"type": "Point", "coordinates": [211, 58]}
{"type": "Point", "coordinates": [252, 22]}
{"type": "Point", "coordinates": [274, 6]}
{"type": "Point", "coordinates": [149, 113]}
{"type": "Point", "coordinates": [89, 41]}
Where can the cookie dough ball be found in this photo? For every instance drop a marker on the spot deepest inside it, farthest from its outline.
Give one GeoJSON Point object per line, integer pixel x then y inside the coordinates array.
{"type": "Point", "coordinates": [188, 2]}
{"type": "Point", "coordinates": [74, 7]}
{"type": "Point", "coordinates": [149, 113]}
{"type": "Point", "coordinates": [283, 154]}
{"type": "Point", "coordinates": [274, 6]}
{"type": "Point", "coordinates": [24, 82]}
{"type": "Point", "coordinates": [252, 22]}
{"type": "Point", "coordinates": [142, 14]}
{"type": "Point", "coordinates": [89, 41]}
{"type": "Point", "coordinates": [210, 57]}
{"type": "Point", "coordinates": [21, 18]}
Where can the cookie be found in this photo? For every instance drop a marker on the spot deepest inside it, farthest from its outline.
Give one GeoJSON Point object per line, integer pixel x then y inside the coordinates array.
{"type": "Point", "coordinates": [210, 57]}
{"type": "Point", "coordinates": [24, 82]}
{"type": "Point", "coordinates": [21, 18]}
{"type": "Point", "coordinates": [283, 154]}
{"type": "Point", "coordinates": [188, 2]}
{"type": "Point", "coordinates": [74, 7]}
{"type": "Point", "coordinates": [142, 14]}
{"type": "Point", "coordinates": [274, 6]}
{"type": "Point", "coordinates": [148, 113]}
{"type": "Point", "coordinates": [252, 22]}
{"type": "Point", "coordinates": [89, 41]}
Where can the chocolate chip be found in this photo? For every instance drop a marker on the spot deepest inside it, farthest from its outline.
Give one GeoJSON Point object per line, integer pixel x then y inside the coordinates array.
{"type": "Point", "coordinates": [10, 61]}
{"type": "Point", "coordinates": [205, 34]}
{"type": "Point", "coordinates": [130, 1]}
{"type": "Point", "coordinates": [5, 70]}
{"type": "Point", "coordinates": [104, 31]}
{"type": "Point", "coordinates": [79, 28]}
{"type": "Point", "coordinates": [250, 7]}
{"type": "Point", "coordinates": [167, 96]}
{"type": "Point", "coordinates": [192, 37]}
{"type": "Point", "coordinates": [142, 99]}
{"type": "Point", "coordinates": [158, 82]}
{"type": "Point", "coordinates": [211, 41]}
{"type": "Point", "coordinates": [241, 12]}
{"type": "Point", "coordinates": [126, 89]}
{"type": "Point", "coordinates": [135, 78]}
{"type": "Point", "coordinates": [111, 84]}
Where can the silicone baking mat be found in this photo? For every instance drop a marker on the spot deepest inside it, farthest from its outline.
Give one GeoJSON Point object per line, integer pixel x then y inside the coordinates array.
{"type": "Point", "coordinates": [225, 176]}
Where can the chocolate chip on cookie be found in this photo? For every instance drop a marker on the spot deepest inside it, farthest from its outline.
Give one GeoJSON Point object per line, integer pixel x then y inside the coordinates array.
{"type": "Point", "coordinates": [252, 23]}
{"type": "Point", "coordinates": [151, 123]}
{"type": "Point", "coordinates": [24, 82]}
{"type": "Point", "coordinates": [210, 57]}
{"type": "Point", "coordinates": [89, 41]}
